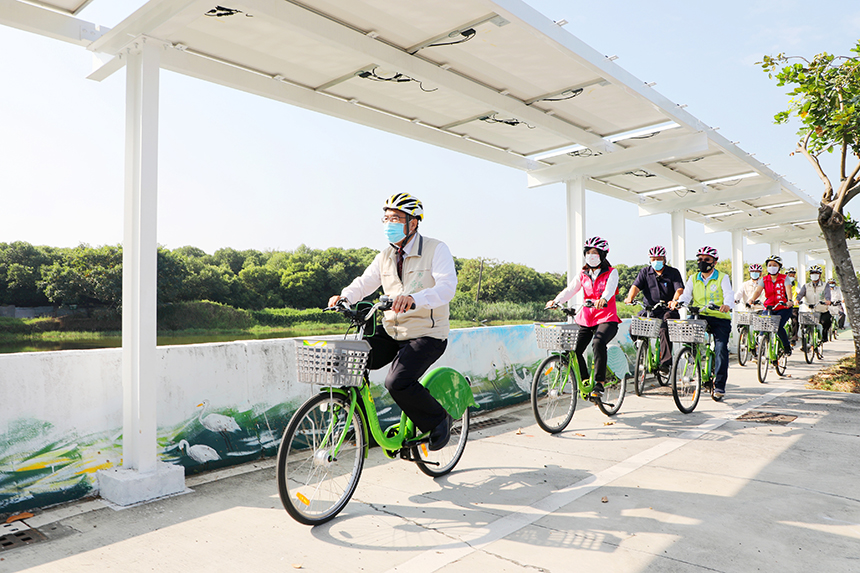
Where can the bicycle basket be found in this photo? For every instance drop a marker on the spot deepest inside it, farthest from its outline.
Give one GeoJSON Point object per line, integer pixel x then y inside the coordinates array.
{"type": "Point", "coordinates": [744, 317]}
{"type": "Point", "coordinates": [556, 336]}
{"type": "Point", "coordinates": [331, 362]}
{"type": "Point", "coordinates": [765, 323]}
{"type": "Point", "coordinates": [808, 317]}
{"type": "Point", "coordinates": [687, 330]}
{"type": "Point", "coordinates": [646, 327]}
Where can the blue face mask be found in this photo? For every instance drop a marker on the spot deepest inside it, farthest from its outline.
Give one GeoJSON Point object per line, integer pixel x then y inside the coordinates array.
{"type": "Point", "coordinates": [393, 232]}
{"type": "Point", "coordinates": [657, 265]}
{"type": "Point", "coordinates": [755, 275]}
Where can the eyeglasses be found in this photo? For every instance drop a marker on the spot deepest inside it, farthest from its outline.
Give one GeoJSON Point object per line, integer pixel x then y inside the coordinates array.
{"type": "Point", "coordinates": [393, 220]}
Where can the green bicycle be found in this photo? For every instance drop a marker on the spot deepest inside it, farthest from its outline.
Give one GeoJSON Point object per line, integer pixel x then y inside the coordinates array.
{"type": "Point", "coordinates": [811, 335]}
{"type": "Point", "coordinates": [558, 381]}
{"type": "Point", "coordinates": [322, 452]}
{"type": "Point", "coordinates": [693, 366]}
{"type": "Point", "coordinates": [747, 343]}
{"type": "Point", "coordinates": [647, 331]}
{"type": "Point", "coordinates": [771, 350]}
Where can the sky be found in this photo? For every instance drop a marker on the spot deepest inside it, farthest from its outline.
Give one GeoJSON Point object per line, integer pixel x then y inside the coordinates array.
{"type": "Point", "coordinates": [240, 171]}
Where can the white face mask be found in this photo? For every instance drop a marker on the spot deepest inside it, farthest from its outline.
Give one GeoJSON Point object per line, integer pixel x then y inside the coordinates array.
{"type": "Point", "coordinates": [814, 278]}
{"type": "Point", "coordinates": [773, 270]}
{"type": "Point", "coordinates": [592, 260]}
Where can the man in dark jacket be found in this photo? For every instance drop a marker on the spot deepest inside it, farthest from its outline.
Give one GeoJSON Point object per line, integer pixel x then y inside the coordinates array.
{"type": "Point", "coordinates": [659, 282]}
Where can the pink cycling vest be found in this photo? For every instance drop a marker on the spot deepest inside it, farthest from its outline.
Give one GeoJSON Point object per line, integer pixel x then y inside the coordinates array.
{"type": "Point", "coordinates": [594, 290]}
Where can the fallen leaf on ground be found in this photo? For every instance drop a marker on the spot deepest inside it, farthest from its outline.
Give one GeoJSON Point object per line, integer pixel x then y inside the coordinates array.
{"type": "Point", "coordinates": [519, 431]}
{"type": "Point", "coordinates": [297, 565]}
{"type": "Point", "coordinates": [19, 517]}
{"type": "Point", "coordinates": [580, 435]}
{"type": "Point", "coordinates": [604, 499]}
{"type": "Point", "coordinates": [608, 423]}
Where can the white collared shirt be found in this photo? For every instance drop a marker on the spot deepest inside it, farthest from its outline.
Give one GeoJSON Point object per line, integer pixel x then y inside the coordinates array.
{"type": "Point", "coordinates": [444, 274]}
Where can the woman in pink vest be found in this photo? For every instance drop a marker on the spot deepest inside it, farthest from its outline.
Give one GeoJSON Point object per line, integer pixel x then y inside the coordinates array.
{"type": "Point", "coordinates": [599, 283]}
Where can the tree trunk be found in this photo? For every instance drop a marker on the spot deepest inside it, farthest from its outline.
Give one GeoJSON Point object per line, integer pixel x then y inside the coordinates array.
{"type": "Point", "coordinates": [837, 245]}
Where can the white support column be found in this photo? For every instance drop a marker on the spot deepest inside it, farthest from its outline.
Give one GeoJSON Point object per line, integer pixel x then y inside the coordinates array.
{"type": "Point", "coordinates": [775, 247]}
{"type": "Point", "coordinates": [737, 258]}
{"type": "Point", "coordinates": [575, 228]}
{"type": "Point", "coordinates": [801, 268]}
{"type": "Point", "coordinates": [679, 242]}
{"type": "Point", "coordinates": [828, 268]}
{"type": "Point", "coordinates": [142, 476]}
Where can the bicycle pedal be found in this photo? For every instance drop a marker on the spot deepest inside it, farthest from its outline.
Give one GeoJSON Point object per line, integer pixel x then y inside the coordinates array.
{"type": "Point", "coordinates": [408, 444]}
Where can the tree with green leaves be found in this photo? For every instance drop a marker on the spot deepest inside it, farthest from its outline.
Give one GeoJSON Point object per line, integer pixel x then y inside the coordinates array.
{"type": "Point", "coordinates": [825, 99]}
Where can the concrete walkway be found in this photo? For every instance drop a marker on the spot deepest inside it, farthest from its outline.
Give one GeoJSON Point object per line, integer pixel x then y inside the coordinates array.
{"type": "Point", "coordinates": [648, 490]}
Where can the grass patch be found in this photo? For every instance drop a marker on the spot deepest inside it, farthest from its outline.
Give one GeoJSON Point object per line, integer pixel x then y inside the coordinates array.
{"type": "Point", "coordinates": [841, 377]}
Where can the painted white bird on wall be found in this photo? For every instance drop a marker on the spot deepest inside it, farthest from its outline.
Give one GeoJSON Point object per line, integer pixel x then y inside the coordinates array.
{"type": "Point", "coordinates": [199, 453]}
{"type": "Point", "coordinates": [217, 422]}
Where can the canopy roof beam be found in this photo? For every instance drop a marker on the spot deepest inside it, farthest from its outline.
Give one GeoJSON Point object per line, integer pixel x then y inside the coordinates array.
{"type": "Point", "coordinates": [620, 161]}
{"type": "Point", "coordinates": [789, 215]}
{"type": "Point", "coordinates": [709, 196]}
{"type": "Point", "coordinates": [49, 23]}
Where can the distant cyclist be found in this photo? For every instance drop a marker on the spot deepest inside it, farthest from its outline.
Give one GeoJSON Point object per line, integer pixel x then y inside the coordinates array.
{"type": "Point", "coordinates": [413, 270]}
{"type": "Point", "coordinates": [837, 304]}
{"type": "Point", "coordinates": [777, 288]}
{"type": "Point", "coordinates": [599, 284]}
{"type": "Point", "coordinates": [816, 295]}
{"type": "Point", "coordinates": [711, 286]}
{"type": "Point", "coordinates": [791, 273]}
{"type": "Point", "coordinates": [745, 293]}
{"type": "Point", "coordinates": [659, 282]}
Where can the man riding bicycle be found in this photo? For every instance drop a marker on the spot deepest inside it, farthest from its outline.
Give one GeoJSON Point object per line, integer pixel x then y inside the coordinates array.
{"type": "Point", "coordinates": [744, 296]}
{"type": "Point", "coordinates": [776, 287]}
{"type": "Point", "coordinates": [418, 273]}
{"type": "Point", "coordinates": [659, 282]}
{"type": "Point", "coordinates": [816, 295]}
{"type": "Point", "coordinates": [711, 286]}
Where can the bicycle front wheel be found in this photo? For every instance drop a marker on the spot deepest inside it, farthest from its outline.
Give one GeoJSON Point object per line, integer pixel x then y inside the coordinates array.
{"type": "Point", "coordinates": [614, 390]}
{"type": "Point", "coordinates": [743, 345]}
{"type": "Point", "coordinates": [686, 380]}
{"type": "Point", "coordinates": [641, 368]}
{"type": "Point", "coordinates": [781, 362]}
{"type": "Point", "coordinates": [320, 459]}
{"type": "Point", "coordinates": [553, 394]}
{"type": "Point", "coordinates": [440, 462]}
{"type": "Point", "coordinates": [764, 344]}
{"type": "Point", "coordinates": [819, 348]}
{"type": "Point", "coordinates": [808, 352]}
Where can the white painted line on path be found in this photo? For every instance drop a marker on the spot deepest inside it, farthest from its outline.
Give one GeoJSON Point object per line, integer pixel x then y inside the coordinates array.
{"type": "Point", "coordinates": [434, 559]}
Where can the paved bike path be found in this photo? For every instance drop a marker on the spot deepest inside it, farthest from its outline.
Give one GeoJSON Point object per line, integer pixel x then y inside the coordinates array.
{"type": "Point", "coordinates": [648, 490]}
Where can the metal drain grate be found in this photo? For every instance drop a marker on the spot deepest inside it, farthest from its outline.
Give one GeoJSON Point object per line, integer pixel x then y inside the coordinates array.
{"type": "Point", "coordinates": [17, 534]}
{"type": "Point", "coordinates": [766, 417]}
{"type": "Point", "coordinates": [490, 422]}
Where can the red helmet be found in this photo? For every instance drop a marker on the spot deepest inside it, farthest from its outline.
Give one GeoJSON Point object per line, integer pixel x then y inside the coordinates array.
{"type": "Point", "coordinates": [597, 243]}
{"type": "Point", "coordinates": [710, 251]}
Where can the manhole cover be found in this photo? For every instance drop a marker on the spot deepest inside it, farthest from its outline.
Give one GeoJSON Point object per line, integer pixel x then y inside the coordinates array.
{"type": "Point", "coordinates": [766, 417]}
{"type": "Point", "coordinates": [490, 422]}
{"type": "Point", "coordinates": [16, 534]}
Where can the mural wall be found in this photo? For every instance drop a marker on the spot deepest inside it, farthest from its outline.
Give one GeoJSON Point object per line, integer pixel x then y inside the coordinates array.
{"type": "Point", "coordinates": [218, 405]}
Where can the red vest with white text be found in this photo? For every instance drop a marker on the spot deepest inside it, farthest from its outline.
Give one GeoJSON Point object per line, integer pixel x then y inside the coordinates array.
{"type": "Point", "coordinates": [593, 290]}
{"type": "Point", "coordinates": [774, 292]}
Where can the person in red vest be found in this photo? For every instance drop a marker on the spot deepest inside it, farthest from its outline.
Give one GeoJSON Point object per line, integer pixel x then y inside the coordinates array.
{"type": "Point", "coordinates": [599, 283]}
{"type": "Point", "coordinates": [777, 295]}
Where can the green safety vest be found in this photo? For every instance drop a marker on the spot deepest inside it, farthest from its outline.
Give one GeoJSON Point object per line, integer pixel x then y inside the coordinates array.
{"type": "Point", "coordinates": [710, 291]}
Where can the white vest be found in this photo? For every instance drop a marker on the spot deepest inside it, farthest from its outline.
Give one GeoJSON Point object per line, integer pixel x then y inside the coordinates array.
{"type": "Point", "coordinates": [417, 276]}
{"type": "Point", "coordinates": [814, 294]}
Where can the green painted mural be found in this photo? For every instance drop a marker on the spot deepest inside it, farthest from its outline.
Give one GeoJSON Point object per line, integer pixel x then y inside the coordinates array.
{"type": "Point", "coordinates": [41, 466]}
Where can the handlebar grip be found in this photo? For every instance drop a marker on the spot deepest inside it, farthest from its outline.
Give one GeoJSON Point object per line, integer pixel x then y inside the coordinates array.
{"type": "Point", "coordinates": [387, 301]}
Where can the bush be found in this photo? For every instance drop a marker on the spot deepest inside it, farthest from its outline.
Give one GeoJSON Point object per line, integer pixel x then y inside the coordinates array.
{"type": "Point", "coordinates": [203, 315]}
{"type": "Point", "coordinates": [292, 316]}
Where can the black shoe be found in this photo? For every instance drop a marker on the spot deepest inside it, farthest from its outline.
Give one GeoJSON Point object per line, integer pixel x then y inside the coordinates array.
{"type": "Point", "coordinates": [665, 370]}
{"type": "Point", "coordinates": [597, 393]}
{"type": "Point", "coordinates": [441, 434]}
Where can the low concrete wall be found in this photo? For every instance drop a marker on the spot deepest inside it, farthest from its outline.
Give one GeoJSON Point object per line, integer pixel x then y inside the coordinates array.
{"type": "Point", "coordinates": [61, 412]}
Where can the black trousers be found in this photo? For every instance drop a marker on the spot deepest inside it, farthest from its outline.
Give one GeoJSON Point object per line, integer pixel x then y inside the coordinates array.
{"type": "Point", "coordinates": [665, 343]}
{"type": "Point", "coordinates": [826, 319]}
{"type": "Point", "coordinates": [602, 334]}
{"type": "Point", "coordinates": [409, 360]}
{"type": "Point", "coordinates": [795, 326]}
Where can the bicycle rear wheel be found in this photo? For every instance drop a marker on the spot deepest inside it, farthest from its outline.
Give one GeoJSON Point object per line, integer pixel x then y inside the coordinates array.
{"type": "Point", "coordinates": [686, 380]}
{"type": "Point", "coordinates": [781, 362]}
{"type": "Point", "coordinates": [440, 462]}
{"type": "Point", "coordinates": [553, 394]}
{"type": "Point", "coordinates": [763, 356]}
{"type": "Point", "coordinates": [640, 370]}
{"type": "Point", "coordinates": [614, 390]}
{"type": "Point", "coordinates": [743, 345]}
{"type": "Point", "coordinates": [315, 485]}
